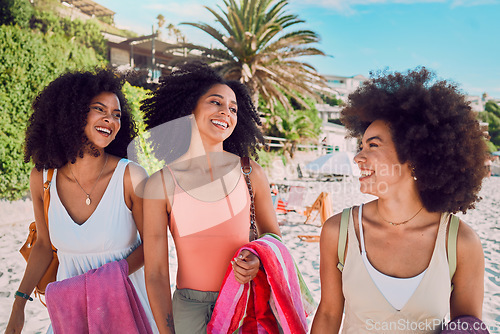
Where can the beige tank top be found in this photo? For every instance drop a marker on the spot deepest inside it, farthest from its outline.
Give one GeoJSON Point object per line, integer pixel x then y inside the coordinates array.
{"type": "Point", "coordinates": [366, 309]}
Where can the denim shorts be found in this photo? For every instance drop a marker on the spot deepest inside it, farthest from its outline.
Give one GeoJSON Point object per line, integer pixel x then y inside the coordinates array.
{"type": "Point", "coordinates": [192, 310]}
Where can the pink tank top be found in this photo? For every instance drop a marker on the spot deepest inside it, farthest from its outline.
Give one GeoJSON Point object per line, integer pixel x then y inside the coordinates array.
{"type": "Point", "coordinates": [207, 235]}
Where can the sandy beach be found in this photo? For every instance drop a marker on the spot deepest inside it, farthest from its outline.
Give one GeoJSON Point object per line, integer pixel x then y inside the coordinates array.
{"type": "Point", "coordinates": [15, 217]}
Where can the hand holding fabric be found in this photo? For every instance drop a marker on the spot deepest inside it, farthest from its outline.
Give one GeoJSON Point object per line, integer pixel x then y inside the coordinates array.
{"type": "Point", "coordinates": [245, 266]}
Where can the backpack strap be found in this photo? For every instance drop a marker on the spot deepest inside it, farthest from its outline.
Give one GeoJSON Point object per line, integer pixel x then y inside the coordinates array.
{"type": "Point", "coordinates": [344, 221]}
{"type": "Point", "coordinates": [452, 245]}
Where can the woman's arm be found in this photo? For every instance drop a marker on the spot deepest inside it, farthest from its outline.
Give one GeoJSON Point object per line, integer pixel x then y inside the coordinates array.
{"type": "Point", "coordinates": [246, 265]}
{"type": "Point", "coordinates": [265, 214]}
{"type": "Point", "coordinates": [156, 219]}
{"type": "Point", "coordinates": [134, 180]}
{"type": "Point", "coordinates": [329, 313]}
{"type": "Point", "coordinates": [40, 256]}
{"type": "Point", "coordinates": [468, 281]}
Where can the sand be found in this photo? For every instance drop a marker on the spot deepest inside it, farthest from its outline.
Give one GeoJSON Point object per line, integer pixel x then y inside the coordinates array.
{"type": "Point", "coordinates": [15, 218]}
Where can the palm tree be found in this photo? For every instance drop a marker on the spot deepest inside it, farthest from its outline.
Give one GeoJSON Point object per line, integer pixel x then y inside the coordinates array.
{"type": "Point", "coordinates": [297, 127]}
{"type": "Point", "coordinates": [261, 52]}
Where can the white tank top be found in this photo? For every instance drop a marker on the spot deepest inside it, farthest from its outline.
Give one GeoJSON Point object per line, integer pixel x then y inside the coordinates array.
{"type": "Point", "coordinates": [397, 291]}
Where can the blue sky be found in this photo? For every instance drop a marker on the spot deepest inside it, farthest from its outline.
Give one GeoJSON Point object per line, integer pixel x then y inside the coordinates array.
{"type": "Point", "coordinates": [458, 39]}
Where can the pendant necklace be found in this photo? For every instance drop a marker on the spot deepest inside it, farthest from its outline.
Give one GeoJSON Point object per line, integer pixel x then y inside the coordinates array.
{"type": "Point", "coordinates": [402, 223]}
{"type": "Point", "coordinates": [87, 200]}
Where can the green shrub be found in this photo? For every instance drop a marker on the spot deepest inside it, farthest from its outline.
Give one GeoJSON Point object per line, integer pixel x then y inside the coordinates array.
{"type": "Point", "coordinates": [145, 156]}
{"type": "Point", "coordinates": [14, 12]}
{"type": "Point", "coordinates": [87, 33]}
{"type": "Point", "coordinates": [28, 62]}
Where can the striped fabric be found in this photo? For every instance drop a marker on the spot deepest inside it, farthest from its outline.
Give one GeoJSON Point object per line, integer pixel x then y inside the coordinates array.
{"type": "Point", "coordinates": [276, 297]}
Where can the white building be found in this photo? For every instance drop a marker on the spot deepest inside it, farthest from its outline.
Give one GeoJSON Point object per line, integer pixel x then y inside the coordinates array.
{"type": "Point", "coordinates": [343, 86]}
{"type": "Point", "coordinates": [476, 102]}
{"type": "Point", "coordinates": [334, 134]}
{"type": "Point", "coordinates": [336, 137]}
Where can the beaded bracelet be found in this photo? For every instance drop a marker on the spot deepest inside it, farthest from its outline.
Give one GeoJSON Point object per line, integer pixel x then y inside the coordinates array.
{"type": "Point", "coordinates": [23, 295]}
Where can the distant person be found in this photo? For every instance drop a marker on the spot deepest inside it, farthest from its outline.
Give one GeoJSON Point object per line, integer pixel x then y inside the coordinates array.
{"type": "Point", "coordinates": [201, 195]}
{"type": "Point", "coordinates": [421, 155]}
{"type": "Point", "coordinates": [80, 127]}
{"type": "Point", "coordinates": [487, 166]}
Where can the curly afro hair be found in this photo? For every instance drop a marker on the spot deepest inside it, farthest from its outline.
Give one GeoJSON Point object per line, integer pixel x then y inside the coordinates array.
{"type": "Point", "coordinates": [178, 95]}
{"type": "Point", "coordinates": [433, 128]}
{"type": "Point", "coordinates": [55, 133]}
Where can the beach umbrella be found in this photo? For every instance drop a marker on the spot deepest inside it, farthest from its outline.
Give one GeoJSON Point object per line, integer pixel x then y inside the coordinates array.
{"type": "Point", "coordinates": [497, 153]}
{"type": "Point", "coordinates": [335, 163]}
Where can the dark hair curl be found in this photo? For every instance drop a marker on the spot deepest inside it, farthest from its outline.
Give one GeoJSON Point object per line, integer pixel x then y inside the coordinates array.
{"type": "Point", "coordinates": [178, 95]}
{"type": "Point", "coordinates": [433, 128]}
{"type": "Point", "coordinates": [55, 133]}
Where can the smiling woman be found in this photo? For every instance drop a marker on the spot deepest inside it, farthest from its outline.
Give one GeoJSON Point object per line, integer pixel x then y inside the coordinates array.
{"type": "Point", "coordinates": [201, 196]}
{"type": "Point", "coordinates": [408, 261]}
{"type": "Point", "coordinates": [79, 130]}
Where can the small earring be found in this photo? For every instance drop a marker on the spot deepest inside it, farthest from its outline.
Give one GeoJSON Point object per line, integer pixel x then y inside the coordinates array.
{"type": "Point", "coordinates": [413, 173]}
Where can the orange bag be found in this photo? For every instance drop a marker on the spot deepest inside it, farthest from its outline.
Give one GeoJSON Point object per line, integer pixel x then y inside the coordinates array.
{"type": "Point", "coordinates": [51, 272]}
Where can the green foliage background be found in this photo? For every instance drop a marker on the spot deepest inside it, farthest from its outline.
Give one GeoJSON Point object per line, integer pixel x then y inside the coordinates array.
{"type": "Point", "coordinates": [491, 115]}
{"type": "Point", "coordinates": [141, 143]}
{"type": "Point", "coordinates": [28, 62]}
{"type": "Point", "coordinates": [86, 33]}
{"type": "Point", "coordinates": [15, 12]}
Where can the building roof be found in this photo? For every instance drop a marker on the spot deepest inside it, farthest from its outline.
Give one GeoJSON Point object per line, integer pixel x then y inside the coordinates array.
{"type": "Point", "coordinates": [145, 43]}
{"type": "Point", "coordinates": [91, 8]}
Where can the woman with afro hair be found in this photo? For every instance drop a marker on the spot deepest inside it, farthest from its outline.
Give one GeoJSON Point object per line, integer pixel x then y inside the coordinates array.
{"type": "Point", "coordinates": [403, 268]}
{"type": "Point", "coordinates": [201, 194]}
{"type": "Point", "coordinates": [80, 129]}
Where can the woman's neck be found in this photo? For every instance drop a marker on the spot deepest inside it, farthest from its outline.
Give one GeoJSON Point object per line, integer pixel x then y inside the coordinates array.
{"type": "Point", "coordinates": [400, 205]}
{"type": "Point", "coordinates": [88, 165]}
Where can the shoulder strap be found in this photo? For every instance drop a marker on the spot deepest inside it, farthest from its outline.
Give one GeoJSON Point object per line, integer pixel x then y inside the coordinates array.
{"type": "Point", "coordinates": [46, 194]}
{"type": "Point", "coordinates": [344, 221]}
{"type": "Point", "coordinates": [46, 198]}
{"type": "Point", "coordinates": [246, 169]}
{"type": "Point", "coordinates": [452, 244]}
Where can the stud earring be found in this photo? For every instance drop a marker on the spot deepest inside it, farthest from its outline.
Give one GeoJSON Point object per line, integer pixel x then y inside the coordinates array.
{"type": "Point", "coordinates": [413, 173]}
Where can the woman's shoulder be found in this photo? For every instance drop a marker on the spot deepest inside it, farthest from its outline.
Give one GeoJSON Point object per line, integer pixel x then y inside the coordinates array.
{"type": "Point", "coordinates": [159, 183]}
{"type": "Point", "coordinates": [331, 227]}
{"type": "Point", "coordinates": [257, 169]}
{"type": "Point", "coordinates": [467, 238]}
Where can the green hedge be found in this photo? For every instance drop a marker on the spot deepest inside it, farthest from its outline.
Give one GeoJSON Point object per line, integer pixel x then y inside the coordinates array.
{"type": "Point", "coordinates": [87, 33]}
{"type": "Point", "coordinates": [145, 156]}
{"type": "Point", "coordinates": [14, 12]}
{"type": "Point", "coordinates": [28, 62]}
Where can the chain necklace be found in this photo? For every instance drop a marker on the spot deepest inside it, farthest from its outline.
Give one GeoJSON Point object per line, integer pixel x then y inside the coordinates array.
{"type": "Point", "coordinates": [397, 224]}
{"type": "Point", "coordinates": [88, 201]}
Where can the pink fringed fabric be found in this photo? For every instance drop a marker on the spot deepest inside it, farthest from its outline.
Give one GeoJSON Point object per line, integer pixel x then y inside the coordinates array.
{"type": "Point", "coordinates": [272, 298]}
{"type": "Point", "coordinates": [102, 300]}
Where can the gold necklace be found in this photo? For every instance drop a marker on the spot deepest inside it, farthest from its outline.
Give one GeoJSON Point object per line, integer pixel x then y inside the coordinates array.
{"type": "Point", "coordinates": [402, 223]}
{"type": "Point", "coordinates": [88, 201]}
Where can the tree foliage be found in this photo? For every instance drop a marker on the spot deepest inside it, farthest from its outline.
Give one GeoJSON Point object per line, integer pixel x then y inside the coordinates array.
{"type": "Point", "coordinates": [261, 50]}
{"type": "Point", "coordinates": [15, 12]}
{"type": "Point", "coordinates": [141, 146]}
{"type": "Point", "coordinates": [299, 125]}
{"type": "Point", "coordinates": [491, 115]}
{"type": "Point", "coordinates": [28, 62]}
{"type": "Point", "coordinates": [87, 33]}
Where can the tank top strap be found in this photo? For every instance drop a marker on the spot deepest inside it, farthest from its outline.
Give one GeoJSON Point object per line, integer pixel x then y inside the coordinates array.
{"type": "Point", "coordinates": [171, 174]}
{"type": "Point", "coordinates": [361, 235]}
